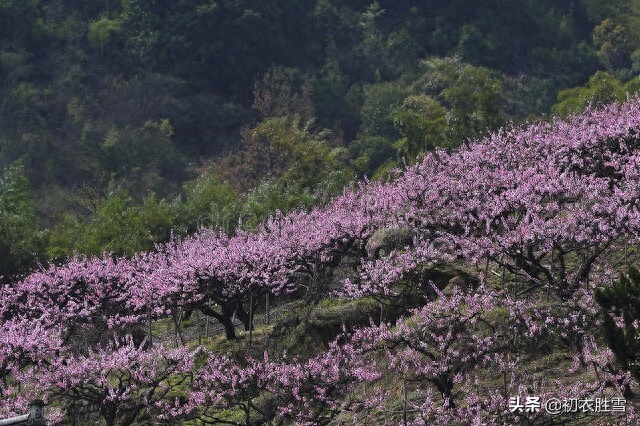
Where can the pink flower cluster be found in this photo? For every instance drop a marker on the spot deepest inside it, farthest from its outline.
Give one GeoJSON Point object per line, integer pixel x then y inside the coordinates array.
{"type": "Point", "coordinates": [548, 205]}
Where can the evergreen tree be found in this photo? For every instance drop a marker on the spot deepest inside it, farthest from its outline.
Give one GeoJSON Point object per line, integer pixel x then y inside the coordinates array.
{"type": "Point", "coordinates": [621, 305]}
{"type": "Point", "coordinates": [20, 236]}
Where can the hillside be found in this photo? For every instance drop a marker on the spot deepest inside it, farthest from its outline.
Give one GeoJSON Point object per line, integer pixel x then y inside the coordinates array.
{"type": "Point", "coordinates": [477, 287]}
{"type": "Point", "coordinates": [319, 212]}
{"type": "Point", "coordinates": [122, 123]}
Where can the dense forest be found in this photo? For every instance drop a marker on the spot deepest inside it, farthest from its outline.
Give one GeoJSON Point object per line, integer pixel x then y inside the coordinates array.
{"type": "Point", "coordinates": [122, 122]}
{"type": "Point", "coordinates": [416, 211]}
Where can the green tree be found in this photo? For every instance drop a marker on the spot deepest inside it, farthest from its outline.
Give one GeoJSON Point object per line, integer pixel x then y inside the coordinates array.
{"type": "Point", "coordinates": [299, 154]}
{"type": "Point", "coordinates": [613, 44]}
{"type": "Point", "coordinates": [283, 92]}
{"type": "Point", "coordinates": [103, 31]}
{"type": "Point", "coordinates": [621, 309]}
{"type": "Point", "coordinates": [271, 196]}
{"type": "Point", "coordinates": [421, 120]}
{"type": "Point", "coordinates": [474, 104]}
{"type": "Point", "coordinates": [285, 163]}
{"type": "Point", "coordinates": [372, 152]}
{"type": "Point", "coordinates": [472, 96]}
{"type": "Point", "coordinates": [372, 46]}
{"type": "Point", "coordinates": [210, 203]}
{"type": "Point", "coordinates": [118, 226]}
{"type": "Point", "coordinates": [21, 241]}
{"type": "Point", "coordinates": [143, 158]}
{"type": "Point", "coordinates": [380, 100]}
{"type": "Point", "coordinates": [601, 89]}
{"type": "Point", "coordinates": [284, 148]}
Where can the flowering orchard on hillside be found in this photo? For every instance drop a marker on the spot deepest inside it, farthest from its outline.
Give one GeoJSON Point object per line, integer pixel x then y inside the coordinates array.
{"type": "Point", "coordinates": [542, 214]}
{"type": "Point", "coordinates": [544, 202]}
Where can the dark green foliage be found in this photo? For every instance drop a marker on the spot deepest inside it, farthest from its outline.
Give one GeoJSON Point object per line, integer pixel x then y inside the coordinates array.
{"type": "Point", "coordinates": [621, 307]}
{"type": "Point", "coordinates": [223, 45]}
{"type": "Point", "coordinates": [371, 152]}
{"type": "Point", "coordinates": [142, 159]}
{"type": "Point", "coordinates": [140, 94]}
{"type": "Point", "coordinates": [20, 237]}
{"type": "Point", "coordinates": [470, 94]}
{"type": "Point", "coordinates": [601, 89]}
{"type": "Point", "coordinates": [271, 196]}
{"type": "Point", "coordinates": [210, 203]}
{"type": "Point", "coordinates": [380, 100]}
{"type": "Point", "coordinates": [118, 226]}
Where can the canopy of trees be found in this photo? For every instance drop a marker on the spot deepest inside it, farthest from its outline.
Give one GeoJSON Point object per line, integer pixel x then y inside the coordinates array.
{"type": "Point", "coordinates": [144, 96]}
{"type": "Point", "coordinates": [457, 181]}
{"type": "Point", "coordinates": [551, 205]}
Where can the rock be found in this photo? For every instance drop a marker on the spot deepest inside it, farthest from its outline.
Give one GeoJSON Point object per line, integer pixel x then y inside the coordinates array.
{"type": "Point", "coordinates": [383, 241]}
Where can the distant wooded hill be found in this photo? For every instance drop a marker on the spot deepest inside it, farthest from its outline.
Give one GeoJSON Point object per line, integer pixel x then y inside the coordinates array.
{"type": "Point", "coordinates": [188, 113]}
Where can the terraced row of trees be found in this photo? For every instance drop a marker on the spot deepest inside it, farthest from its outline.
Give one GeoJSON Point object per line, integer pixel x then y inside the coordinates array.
{"type": "Point", "coordinates": [134, 119]}
{"type": "Point", "coordinates": [541, 216]}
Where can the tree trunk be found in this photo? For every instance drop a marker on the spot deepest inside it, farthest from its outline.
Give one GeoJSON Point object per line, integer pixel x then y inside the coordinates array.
{"type": "Point", "coordinates": [224, 318]}
{"type": "Point", "coordinates": [244, 316]}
